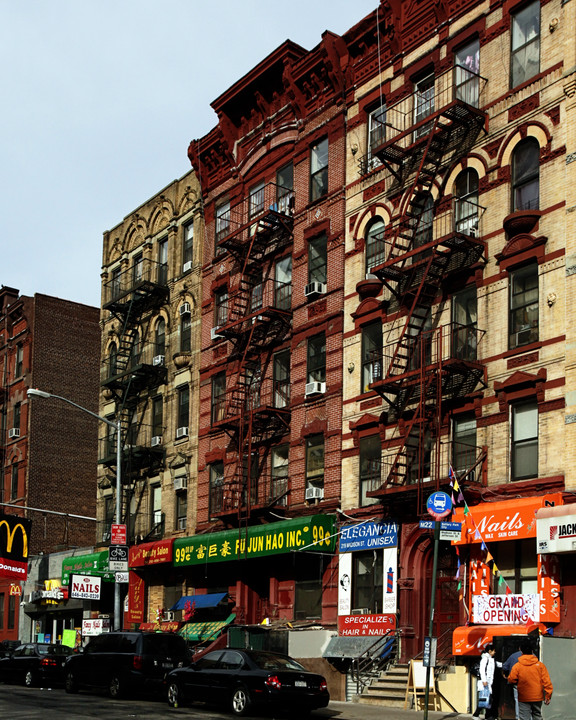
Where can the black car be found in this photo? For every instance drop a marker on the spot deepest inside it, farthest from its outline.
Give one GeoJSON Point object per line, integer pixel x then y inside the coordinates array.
{"type": "Point", "coordinates": [125, 661]}
{"type": "Point", "coordinates": [243, 679]}
{"type": "Point", "coordinates": [35, 664]}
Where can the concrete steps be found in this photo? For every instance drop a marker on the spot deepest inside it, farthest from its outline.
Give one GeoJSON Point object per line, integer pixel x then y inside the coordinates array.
{"type": "Point", "coordinates": [388, 690]}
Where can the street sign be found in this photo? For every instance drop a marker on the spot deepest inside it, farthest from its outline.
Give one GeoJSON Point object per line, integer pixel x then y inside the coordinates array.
{"type": "Point", "coordinates": [439, 505]}
{"type": "Point", "coordinates": [118, 534]}
{"type": "Point", "coordinates": [429, 656]}
{"type": "Point", "coordinates": [118, 558]}
{"type": "Point", "coordinates": [121, 577]}
{"type": "Point", "coordinates": [450, 531]}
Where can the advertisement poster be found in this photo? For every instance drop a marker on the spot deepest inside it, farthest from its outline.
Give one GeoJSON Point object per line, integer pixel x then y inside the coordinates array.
{"type": "Point", "coordinates": [85, 587]}
{"type": "Point", "coordinates": [14, 534]}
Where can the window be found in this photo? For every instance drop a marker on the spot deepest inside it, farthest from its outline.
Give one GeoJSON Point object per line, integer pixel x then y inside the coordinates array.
{"type": "Point", "coordinates": [524, 440]}
{"type": "Point", "coordinates": [14, 482]}
{"type": "Point", "coordinates": [316, 360]}
{"type": "Point", "coordinates": [183, 407]}
{"type": "Point", "coordinates": [186, 333]}
{"type": "Point", "coordinates": [222, 223]}
{"type": "Point", "coordinates": [216, 487]}
{"type": "Point", "coordinates": [279, 468]}
{"type": "Point", "coordinates": [367, 586]}
{"type": "Point", "coordinates": [135, 350]}
{"type": "Point", "coordinates": [160, 337]}
{"type": "Point", "coordinates": [371, 355]}
{"type": "Point", "coordinates": [374, 242]}
{"type": "Point", "coordinates": [19, 361]}
{"type": "Point", "coordinates": [526, 175]}
{"type": "Point", "coordinates": [284, 189]}
{"type": "Point", "coordinates": [218, 397]}
{"type": "Point", "coordinates": [318, 260]}
{"type": "Point", "coordinates": [156, 519]}
{"type": "Point", "coordinates": [109, 516]}
{"type": "Point", "coordinates": [308, 588]}
{"type": "Point", "coordinates": [115, 284]}
{"type": "Point", "coordinates": [137, 267]}
{"type": "Point", "coordinates": [11, 612]}
{"type": "Point", "coordinates": [376, 134]}
{"type": "Point", "coordinates": [17, 415]}
{"type": "Point", "coordinates": [112, 360]}
{"type": "Point", "coordinates": [281, 379]}
{"type": "Point", "coordinates": [523, 306]}
{"type": "Point", "coordinates": [163, 262]}
{"type": "Point", "coordinates": [157, 416]}
{"type": "Point", "coordinates": [464, 443]}
{"type": "Point", "coordinates": [283, 283]}
{"type": "Point", "coordinates": [315, 461]}
{"type": "Point", "coordinates": [423, 103]}
{"type": "Point", "coordinates": [464, 324]}
{"type": "Point", "coordinates": [370, 467]}
{"type": "Point", "coordinates": [319, 170]}
{"type": "Point", "coordinates": [467, 73]}
{"type": "Point", "coordinates": [181, 510]}
{"type": "Point", "coordinates": [466, 203]}
{"type": "Point", "coordinates": [110, 438]}
{"type": "Point", "coordinates": [253, 384]}
{"type": "Point", "coordinates": [220, 307]}
{"type": "Point", "coordinates": [525, 51]}
{"type": "Point", "coordinates": [518, 565]}
{"type": "Point", "coordinates": [256, 199]}
{"type": "Point", "coordinates": [418, 450]}
{"type": "Point", "coordinates": [256, 290]}
{"type": "Point", "coordinates": [188, 244]}
{"type": "Point", "coordinates": [424, 230]}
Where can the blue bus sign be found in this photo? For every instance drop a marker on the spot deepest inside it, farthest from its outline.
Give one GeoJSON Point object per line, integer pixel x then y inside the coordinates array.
{"type": "Point", "coordinates": [439, 505]}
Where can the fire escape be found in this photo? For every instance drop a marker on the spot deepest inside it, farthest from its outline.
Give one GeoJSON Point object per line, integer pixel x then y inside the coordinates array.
{"type": "Point", "coordinates": [254, 410]}
{"type": "Point", "coordinates": [133, 297]}
{"type": "Point", "coordinates": [426, 365]}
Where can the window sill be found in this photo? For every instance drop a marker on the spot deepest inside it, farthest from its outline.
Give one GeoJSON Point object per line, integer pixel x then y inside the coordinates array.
{"type": "Point", "coordinates": [530, 347]}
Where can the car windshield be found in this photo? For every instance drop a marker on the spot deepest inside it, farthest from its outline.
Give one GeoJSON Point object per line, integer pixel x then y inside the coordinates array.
{"type": "Point", "coordinates": [268, 661]}
{"type": "Point", "coordinates": [54, 650]}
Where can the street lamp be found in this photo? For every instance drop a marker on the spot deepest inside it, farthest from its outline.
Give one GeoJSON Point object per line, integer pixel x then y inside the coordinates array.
{"type": "Point", "coordinates": [34, 392]}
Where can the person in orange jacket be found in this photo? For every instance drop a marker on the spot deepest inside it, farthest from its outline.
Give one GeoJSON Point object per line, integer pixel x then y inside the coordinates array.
{"type": "Point", "coordinates": [533, 682]}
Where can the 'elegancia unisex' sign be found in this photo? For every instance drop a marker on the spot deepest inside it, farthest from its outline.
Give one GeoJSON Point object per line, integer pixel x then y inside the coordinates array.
{"type": "Point", "coordinates": [368, 536]}
{"type": "Point", "coordinates": [311, 533]}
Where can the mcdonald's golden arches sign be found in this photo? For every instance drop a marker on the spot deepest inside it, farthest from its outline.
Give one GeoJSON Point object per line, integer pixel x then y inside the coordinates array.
{"type": "Point", "coordinates": [14, 534]}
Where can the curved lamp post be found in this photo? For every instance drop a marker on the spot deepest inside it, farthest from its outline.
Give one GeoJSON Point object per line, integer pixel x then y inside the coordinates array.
{"type": "Point", "coordinates": [34, 392]}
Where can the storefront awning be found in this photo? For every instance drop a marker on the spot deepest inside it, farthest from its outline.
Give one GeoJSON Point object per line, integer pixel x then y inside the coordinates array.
{"type": "Point", "coordinates": [209, 600]}
{"type": "Point", "coordinates": [93, 564]}
{"type": "Point", "coordinates": [347, 647]}
{"type": "Point", "coordinates": [471, 639]}
{"type": "Point", "coordinates": [195, 632]}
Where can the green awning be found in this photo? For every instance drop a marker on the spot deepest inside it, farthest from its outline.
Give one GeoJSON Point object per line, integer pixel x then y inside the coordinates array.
{"type": "Point", "coordinates": [195, 632]}
{"type": "Point", "coordinates": [92, 564]}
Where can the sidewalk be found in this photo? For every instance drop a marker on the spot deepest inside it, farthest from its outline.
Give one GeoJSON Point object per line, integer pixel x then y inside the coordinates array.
{"type": "Point", "coordinates": [359, 711]}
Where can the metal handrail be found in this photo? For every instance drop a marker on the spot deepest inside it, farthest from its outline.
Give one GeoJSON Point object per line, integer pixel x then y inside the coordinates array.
{"type": "Point", "coordinates": [372, 661]}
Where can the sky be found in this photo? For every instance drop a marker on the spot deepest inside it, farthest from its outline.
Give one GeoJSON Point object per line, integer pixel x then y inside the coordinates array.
{"type": "Point", "coordinates": [100, 99]}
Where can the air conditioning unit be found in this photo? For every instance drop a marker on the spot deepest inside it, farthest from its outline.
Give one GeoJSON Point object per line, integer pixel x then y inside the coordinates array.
{"type": "Point", "coordinates": [182, 431]}
{"type": "Point", "coordinates": [371, 276]}
{"type": "Point", "coordinates": [169, 616]}
{"type": "Point", "coordinates": [214, 334]}
{"type": "Point", "coordinates": [185, 309]}
{"type": "Point", "coordinates": [156, 440]}
{"type": "Point", "coordinates": [360, 611]}
{"type": "Point", "coordinates": [314, 493]}
{"type": "Point", "coordinates": [14, 433]}
{"type": "Point", "coordinates": [523, 337]}
{"type": "Point", "coordinates": [187, 266]}
{"type": "Point", "coordinates": [315, 288]}
{"type": "Point", "coordinates": [315, 388]}
{"type": "Point", "coordinates": [180, 483]}
{"type": "Point", "coordinates": [158, 359]}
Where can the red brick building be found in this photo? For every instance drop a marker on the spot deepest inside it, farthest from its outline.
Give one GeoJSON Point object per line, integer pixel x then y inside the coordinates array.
{"type": "Point", "coordinates": [48, 450]}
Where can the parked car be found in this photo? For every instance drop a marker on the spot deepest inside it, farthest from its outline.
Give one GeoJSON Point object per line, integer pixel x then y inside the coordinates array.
{"type": "Point", "coordinates": [243, 679]}
{"type": "Point", "coordinates": [35, 664]}
{"type": "Point", "coordinates": [125, 661]}
{"type": "Point", "coordinates": [7, 647]}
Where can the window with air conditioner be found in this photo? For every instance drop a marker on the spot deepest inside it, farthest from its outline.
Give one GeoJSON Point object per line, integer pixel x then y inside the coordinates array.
{"type": "Point", "coordinates": [316, 365]}
{"type": "Point", "coordinates": [159, 342]}
{"type": "Point", "coordinates": [182, 432]}
{"type": "Point", "coordinates": [184, 309]}
{"type": "Point", "coordinates": [187, 247]}
{"type": "Point", "coordinates": [525, 43]}
{"type": "Point", "coordinates": [157, 416]}
{"type": "Point", "coordinates": [180, 482]}
{"type": "Point", "coordinates": [319, 170]}
{"type": "Point", "coordinates": [523, 321]}
{"type": "Point", "coordinates": [367, 581]}
{"type": "Point", "coordinates": [524, 451]}
{"type": "Point", "coordinates": [315, 462]}
{"type": "Point", "coordinates": [13, 433]}
{"type": "Point", "coordinates": [317, 265]}
{"type": "Point", "coordinates": [156, 441]}
{"type": "Point", "coordinates": [183, 416]}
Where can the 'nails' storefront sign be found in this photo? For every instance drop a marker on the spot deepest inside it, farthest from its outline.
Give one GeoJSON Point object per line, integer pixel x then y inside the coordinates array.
{"type": "Point", "coordinates": [317, 532]}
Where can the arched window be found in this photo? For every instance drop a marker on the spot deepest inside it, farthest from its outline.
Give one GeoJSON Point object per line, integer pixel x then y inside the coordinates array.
{"type": "Point", "coordinates": [113, 360]}
{"type": "Point", "coordinates": [135, 350]}
{"type": "Point", "coordinates": [160, 337]}
{"type": "Point", "coordinates": [526, 175]}
{"type": "Point", "coordinates": [466, 202]}
{"type": "Point", "coordinates": [424, 229]}
{"type": "Point", "coordinates": [374, 242]}
{"type": "Point", "coordinates": [185, 333]}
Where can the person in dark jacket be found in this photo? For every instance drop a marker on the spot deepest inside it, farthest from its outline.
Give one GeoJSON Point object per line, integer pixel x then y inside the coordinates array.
{"type": "Point", "coordinates": [533, 681]}
{"type": "Point", "coordinates": [506, 668]}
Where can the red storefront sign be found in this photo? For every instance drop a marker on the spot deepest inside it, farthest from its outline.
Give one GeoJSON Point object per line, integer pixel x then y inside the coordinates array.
{"type": "Point", "coordinates": [504, 520]}
{"type": "Point", "coordinates": [136, 593]}
{"type": "Point", "coordinates": [151, 553]}
{"type": "Point", "coordinates": [363, 625]}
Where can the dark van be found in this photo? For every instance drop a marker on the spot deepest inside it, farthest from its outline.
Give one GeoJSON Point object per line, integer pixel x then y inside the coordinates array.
{"type": "Point", "coordinates": [125, 661]}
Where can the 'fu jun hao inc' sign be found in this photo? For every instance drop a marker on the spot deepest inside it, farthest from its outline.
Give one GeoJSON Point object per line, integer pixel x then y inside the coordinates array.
{"type": "Point", "coordinates": [85, 587]}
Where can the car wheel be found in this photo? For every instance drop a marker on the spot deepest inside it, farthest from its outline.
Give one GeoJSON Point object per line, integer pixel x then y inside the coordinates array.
{"type": "Point", "coordinates": [116, 687]}
{"type": "Point", "coordinates": [30, 679]}
{"type": "Point", "coordinates": [175, 695]}
{"type": "Point", "coordinates": [70, 684]}
{"type": "Point", "coordinates": [240, 701]}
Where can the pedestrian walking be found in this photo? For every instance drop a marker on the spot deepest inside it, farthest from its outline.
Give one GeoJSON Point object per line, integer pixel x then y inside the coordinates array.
{"type": "Point", "coordinates": [485, 682]}
{"type": "Point", "coordinates": [506, 668]}
{"type": "Point", "coordinates": [533, 682]}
